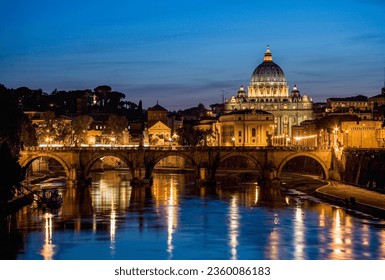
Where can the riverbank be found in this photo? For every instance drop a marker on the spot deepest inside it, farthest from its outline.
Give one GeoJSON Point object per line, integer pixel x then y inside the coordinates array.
{"type": "Point", "coordinates": [303, 183]}
{"type": "Point", "coordinates": [355, 198]}
{"type": "Point", "coordinates": [345, 195]}
{"type": "Point", "coordinates": [15, 204]}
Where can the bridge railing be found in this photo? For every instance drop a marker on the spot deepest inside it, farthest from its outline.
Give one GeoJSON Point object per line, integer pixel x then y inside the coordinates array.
{"type": "Point", "coordinates": [175, 148]}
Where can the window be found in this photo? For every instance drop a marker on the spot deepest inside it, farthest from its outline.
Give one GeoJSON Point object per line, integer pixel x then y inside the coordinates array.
{"type": "Point", "coordinates": [253, 132]}
{"type": "Point", "coordinates": [239, 133]}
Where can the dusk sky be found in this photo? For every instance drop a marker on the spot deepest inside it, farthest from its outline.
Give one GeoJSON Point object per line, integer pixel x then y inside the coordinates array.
{"type": "Point", "coordinates": [187, 52]}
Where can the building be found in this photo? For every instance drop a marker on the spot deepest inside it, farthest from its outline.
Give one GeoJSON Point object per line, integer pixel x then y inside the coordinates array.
{"type": "Point", "coordinates": [378, 103]}
{"type": "Point", "coordinates": [159, 134]}
{"type": "Point", "coordinates": [356, 105]}
{"type": "Point", "coordinates": [306, 134]}
{"type": "Point", "coordinates": [378, 100]}
{"type": "Point", "coordinates": [157, 131]}
{"type": "Point", "coordinates": [268, 91]}
{"type": "Point", "coordinates": [362, 134]}
{"type": "Point", "coordinates": [156, 114]}
{"type": "Point", "coordinates": [245, 128]}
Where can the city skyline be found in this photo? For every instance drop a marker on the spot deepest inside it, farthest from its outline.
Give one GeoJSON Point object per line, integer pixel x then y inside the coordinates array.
{"type": "Point", "coordinates": [193, 52]}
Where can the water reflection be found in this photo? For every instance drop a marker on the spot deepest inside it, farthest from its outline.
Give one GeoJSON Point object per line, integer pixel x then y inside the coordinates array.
{"type": "Point", "coordinates": [174, 219]}
{"type": "Point", "coordinates": [48, 250]}
{"type": "Point", "coordinates": [299, 234]}
{"type": "Point", "coordinates": [166, 196]}
{"type": "Point", "coordinates": [233, 226]}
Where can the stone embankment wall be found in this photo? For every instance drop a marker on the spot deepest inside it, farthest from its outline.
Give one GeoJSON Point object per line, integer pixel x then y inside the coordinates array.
{"type": "Point", "coordinates": [365, 168]}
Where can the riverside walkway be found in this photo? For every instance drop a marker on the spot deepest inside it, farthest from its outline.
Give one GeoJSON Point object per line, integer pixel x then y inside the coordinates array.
{"type": "Point", "coordinates": [352, 197]}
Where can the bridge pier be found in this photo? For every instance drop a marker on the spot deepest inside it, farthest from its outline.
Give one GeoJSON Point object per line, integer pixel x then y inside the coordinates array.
{"type": "Point", "coordinates": [75, 173]}
{"type": "Point", "coordinates": [139, 173]}
{"type": "Point", "coordinates": [270, 173]}
{"type": "Point", "coordinates": [203, 173]}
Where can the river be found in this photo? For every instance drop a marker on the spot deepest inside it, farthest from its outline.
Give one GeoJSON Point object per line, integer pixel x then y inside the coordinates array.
{"type": "Point", "coordinates": [173, 219]}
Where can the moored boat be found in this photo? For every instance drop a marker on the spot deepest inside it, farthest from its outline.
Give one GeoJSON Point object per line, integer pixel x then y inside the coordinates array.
{"type": "Point", "coordinates": [50, 198]}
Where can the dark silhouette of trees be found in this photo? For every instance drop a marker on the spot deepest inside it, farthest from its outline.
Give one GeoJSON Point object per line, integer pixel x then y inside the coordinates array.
{"type": "Point", "coordinates": [12, 174]}
{"type": "Point", "coordinates": [12, 121]}
{"type": "Point", "coordinates": [189, 136]}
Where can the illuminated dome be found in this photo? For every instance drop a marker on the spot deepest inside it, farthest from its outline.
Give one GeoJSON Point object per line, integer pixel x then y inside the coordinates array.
{"type": "Point", "coordinates": [268, 71]}
{"type": "Point", "coordinates": [241, 92]}
{"type": "Point", "coordinates": [268, 79]}
{"type": "Point", "coordinates": [295, 95]}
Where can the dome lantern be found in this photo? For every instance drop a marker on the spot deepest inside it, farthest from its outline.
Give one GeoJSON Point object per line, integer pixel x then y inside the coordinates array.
{"type": "Point", "coordinates": [268, 56]}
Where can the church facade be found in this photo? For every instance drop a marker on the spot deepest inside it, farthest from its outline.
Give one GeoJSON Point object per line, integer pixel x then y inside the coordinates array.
{"type": "Point", "coordinates": [268, 91]}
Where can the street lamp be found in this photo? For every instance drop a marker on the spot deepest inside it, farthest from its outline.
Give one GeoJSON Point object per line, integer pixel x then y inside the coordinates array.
{"type": "Point", "coordinates": [233, 140]}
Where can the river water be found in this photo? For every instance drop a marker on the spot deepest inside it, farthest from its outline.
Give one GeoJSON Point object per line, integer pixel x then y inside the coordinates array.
{"type": "Point", "coordinates": [174, 219]}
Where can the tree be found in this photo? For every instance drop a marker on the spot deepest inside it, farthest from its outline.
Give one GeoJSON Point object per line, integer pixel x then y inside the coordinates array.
{"type": "Point", "coordinates": [117, 125]}
{"type": "Point", "coordinates": [113, 101]}
{"type": "Point", "coordinates": [80, 126]}
{"type": "Point", "coordinates": [10, 131]}
{"type": "Point", "coordinates": [28, 133]}
{"type": "Point", "coordinates": [11, 173]}
{"type": "Point", "coordinates": [189, 136]}
{"type": "Point", "coordinates": [45, 131]}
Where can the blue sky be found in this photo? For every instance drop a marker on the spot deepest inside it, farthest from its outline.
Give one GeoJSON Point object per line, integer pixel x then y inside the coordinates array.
{"type": "Point", "coordinates": [187, 52]}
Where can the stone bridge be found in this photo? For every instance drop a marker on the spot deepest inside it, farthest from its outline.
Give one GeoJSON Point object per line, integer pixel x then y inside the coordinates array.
{"type": "Point", "coordinates": [268, 161]}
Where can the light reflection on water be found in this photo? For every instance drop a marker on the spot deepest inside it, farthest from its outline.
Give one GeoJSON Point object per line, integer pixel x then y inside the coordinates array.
{"type": "Point", "coordinates": [173, 219]}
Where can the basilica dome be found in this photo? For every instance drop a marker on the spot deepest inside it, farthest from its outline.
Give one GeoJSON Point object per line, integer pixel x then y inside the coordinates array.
{"type": "Point", "coordinates": [268, 80]}
{"type": "Point", "coordinates": [268, 71]}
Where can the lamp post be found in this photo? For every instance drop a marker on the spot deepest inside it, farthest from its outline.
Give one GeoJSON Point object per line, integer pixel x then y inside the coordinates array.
{"type": "Point", "coordinates": [233, 141]}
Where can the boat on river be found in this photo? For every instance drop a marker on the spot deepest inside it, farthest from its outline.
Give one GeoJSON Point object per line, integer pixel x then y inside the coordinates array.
{"type": "Point", "coordinates": [50, 198]}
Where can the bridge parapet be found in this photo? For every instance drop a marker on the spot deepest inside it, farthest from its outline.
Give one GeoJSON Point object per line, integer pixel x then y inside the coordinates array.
{"type": "Point", "coordinates": [184, 148]}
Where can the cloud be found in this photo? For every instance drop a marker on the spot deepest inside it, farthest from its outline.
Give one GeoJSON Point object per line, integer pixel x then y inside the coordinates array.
{"type": "Point", "coordinates": [376, 38]}
{"type": "Point", "coordinates": [378, 3]}
{"type": "Point", "coordinates": [181, 96]}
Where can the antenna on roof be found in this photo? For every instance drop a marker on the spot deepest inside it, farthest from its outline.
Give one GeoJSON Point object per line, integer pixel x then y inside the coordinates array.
{"type": "Point", "coordinates": [223, 96]}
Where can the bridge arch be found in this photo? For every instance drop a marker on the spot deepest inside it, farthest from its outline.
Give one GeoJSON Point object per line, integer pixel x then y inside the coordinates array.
{"type": "Point", "coordinates": [245, 156]}
{"type": "Point", "coordinates": [162, 156]}
{"type": "Point", "coordinates": [91, 161]}
{"type": "Point", "coordinates": [303, 154]}
{"type": "Point", "coordinates": [25, 162]}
